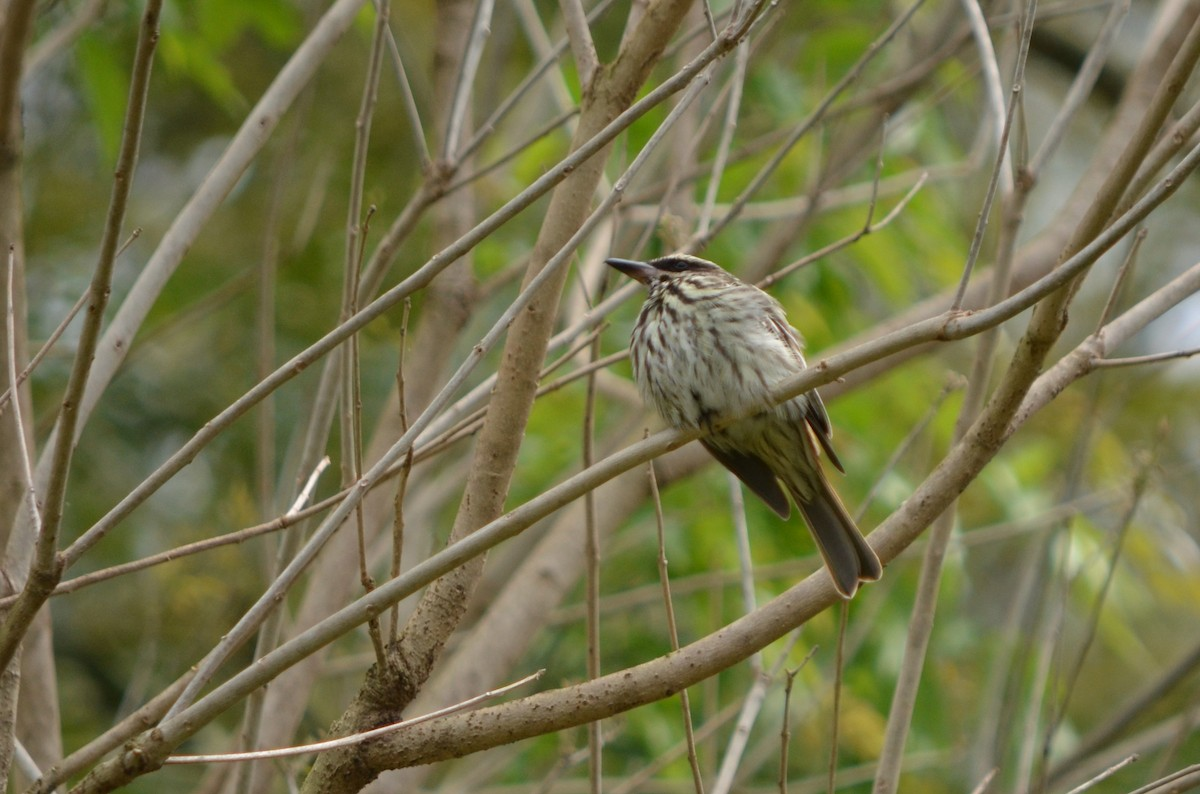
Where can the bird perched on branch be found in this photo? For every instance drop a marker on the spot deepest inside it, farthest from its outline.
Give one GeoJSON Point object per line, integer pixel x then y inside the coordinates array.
{"type": "Point", "coordinates": [708, 346]}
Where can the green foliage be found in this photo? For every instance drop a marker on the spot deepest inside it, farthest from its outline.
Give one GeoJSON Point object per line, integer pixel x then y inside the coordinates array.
{"type": "Point", "coordinates": [197, 39]}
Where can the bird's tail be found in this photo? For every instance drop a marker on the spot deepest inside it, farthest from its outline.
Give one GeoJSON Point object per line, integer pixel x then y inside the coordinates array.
{"type": "Point", "coordinates": [847, 554]}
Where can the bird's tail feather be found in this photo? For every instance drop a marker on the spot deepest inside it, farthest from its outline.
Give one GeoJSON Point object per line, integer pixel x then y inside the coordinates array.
{"type": "Point", "coordinates": [847, 554]}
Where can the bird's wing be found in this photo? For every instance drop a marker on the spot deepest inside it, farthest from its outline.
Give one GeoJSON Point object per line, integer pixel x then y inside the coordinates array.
{"type": "Point", "coordinates": [757, 476]}
{"type": "Point", "coordinates": [814, 412]}
{"type": "Point", "coordinates": [818, 423]}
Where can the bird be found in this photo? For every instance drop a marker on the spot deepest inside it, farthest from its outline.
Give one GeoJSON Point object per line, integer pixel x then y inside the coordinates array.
{"type": "Point", "coordinates": [708, 346]}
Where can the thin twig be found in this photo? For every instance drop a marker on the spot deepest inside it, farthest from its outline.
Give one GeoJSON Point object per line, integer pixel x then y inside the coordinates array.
{"type": "Point", "coordinates": [265, 341]}
{"type": "Point", "coordinates": [672, 628]}
{"type": "Point", "coordinates": [16, 575]}
{"type": "Point", "coordinates": [352, 444]}
{"type": "Point", "coordinates": [741, 529]}
{"type": "Point", "coordinates": [24, 374]}
{"type": "Point", "coordinates": [48, 345]}
{"type": "Point", "coordinates": [580, 37]}
{"type": "Point", "coordinates": [306, 492]}
{"type": "Point", "coordinates": [883, 131]}
{"type": "Point", "coordinates": [1152, 358]}
{"type": "Point", "coordinates": [411, 111]}
{"type": "Point", "coordinates": [847, 241]}
{"type": "Point", "coordinates": [1123, 273]}
{"type": "Point", "coordinates": [1105, 775]}
{"type": "Point", "coordinates": [998, 116]}
{"type": "Point", "coordinates": [357, 738]}
{"type": "Point", "coordinates": [358, 228]}
{"type": "Point", "coordinates": [405, 469]}
{"type": "Point", "coordinates": [706, 7]}
{"type": "Point", "coordinates": [592, 553]}
{"type": "Point", "coordinates": [558, 92]}
{"type": "Point", "coordinates": [1046, 643]}
{"type": "Point", "coordinates": [835, 716]}
{"type": "Point", "coordinates": [785, 728]}
{"type": "Point", "coordinates": [480, 27]}
{"type": "Point", "coordinates": [987, 781]}
{"type": "Point", "coordinates": [985, 210]}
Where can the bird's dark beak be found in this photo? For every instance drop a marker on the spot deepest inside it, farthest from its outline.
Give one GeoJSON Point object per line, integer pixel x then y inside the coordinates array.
{"type": "Point", "coordinates": [635, 270]}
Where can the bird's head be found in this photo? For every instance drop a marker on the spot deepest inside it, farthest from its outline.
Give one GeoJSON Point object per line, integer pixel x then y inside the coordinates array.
{"type": "Point", "coordinates": [667, 268]}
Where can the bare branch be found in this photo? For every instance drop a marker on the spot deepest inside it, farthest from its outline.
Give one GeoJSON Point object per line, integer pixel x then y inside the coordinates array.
{"type": "Point", "coordinates": [1123, 273]}
{"type": "Point", "coordinates": [16, 578]}
{"type": "Point", "coordinates": [42, 351]}
{"type": "Point", "coordinates": [998, 116]}
{"type": "Point", "coordinates": [1153, 358]}
{"type": "Point", "coordinates": [580, 36]}
{"type": "Point", "coordinates": [1106, 774]}
{"type": "Point", "coordinates": [685, 703]}
{"type": "Point", "coordinates": [410, 103]}
{"type": "Point", "coordinates": [480, 28]}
